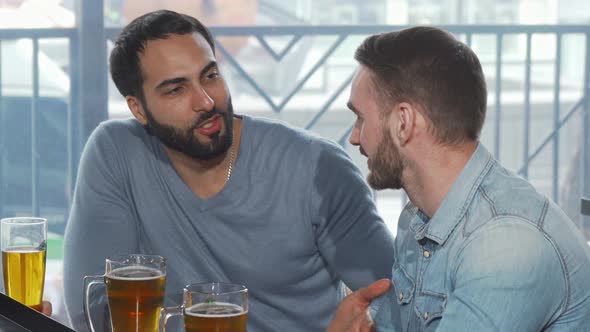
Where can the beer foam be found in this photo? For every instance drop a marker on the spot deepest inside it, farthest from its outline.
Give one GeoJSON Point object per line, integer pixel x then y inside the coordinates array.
{"type": "Point", "coordinates": [22, 250]}
{"type": "Point", "coordinates": [135, 273]}
{"type": "Point", "coordinates": [215, 310]}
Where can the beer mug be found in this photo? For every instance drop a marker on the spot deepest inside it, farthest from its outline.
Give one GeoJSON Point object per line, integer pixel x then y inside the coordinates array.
{"type": "Point", "coordinates": [24, 247]}
{"type": "Point", "coordinates": [211, 307]}
{"type": "Point", "coordinates": [135, 291]}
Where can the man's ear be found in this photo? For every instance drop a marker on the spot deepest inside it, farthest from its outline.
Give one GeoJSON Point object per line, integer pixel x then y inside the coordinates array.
{"type": "Point", "coordinates": [136, 109]}
{"type": "Point", "coordinates": [403, 122]}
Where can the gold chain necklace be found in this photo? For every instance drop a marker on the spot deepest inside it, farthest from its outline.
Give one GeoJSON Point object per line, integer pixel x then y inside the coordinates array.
{"type": "Point", "coordinates": [231, 162]}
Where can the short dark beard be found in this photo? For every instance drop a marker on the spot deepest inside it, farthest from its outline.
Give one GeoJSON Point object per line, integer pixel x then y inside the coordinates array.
{"type": "Point", "coordinates": [387, 166]}
{"type": "Point", "coordinates": [184, 140]}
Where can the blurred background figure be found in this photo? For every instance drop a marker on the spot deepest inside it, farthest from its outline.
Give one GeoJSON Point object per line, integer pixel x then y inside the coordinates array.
{"type": "Point", "coordinates": [210, 12]}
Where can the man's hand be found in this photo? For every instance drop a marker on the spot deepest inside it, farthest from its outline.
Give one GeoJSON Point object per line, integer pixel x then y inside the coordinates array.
{"type": "Point", "coordinates": [352, 314]}
{"type": "Point", "coordinates": [46, 308]}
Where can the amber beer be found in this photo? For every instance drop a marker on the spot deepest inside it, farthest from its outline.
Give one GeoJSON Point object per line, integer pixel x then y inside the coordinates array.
{"type": "Point", "coordinates": [211, 307]}
{"type": "Point", "coordinates": [215, 317]}
{"type": "Point", "coordinates": [24, 274]}
{"type": "Point", "coordinates": [135, 295]}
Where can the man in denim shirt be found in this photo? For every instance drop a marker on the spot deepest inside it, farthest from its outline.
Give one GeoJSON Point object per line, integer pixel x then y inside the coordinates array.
{"type": "Point", "coordinates": [477, 247]}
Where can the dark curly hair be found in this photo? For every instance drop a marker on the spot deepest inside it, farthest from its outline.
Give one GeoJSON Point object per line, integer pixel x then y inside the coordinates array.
{"type": "Point", "coordinates": [124, 59]}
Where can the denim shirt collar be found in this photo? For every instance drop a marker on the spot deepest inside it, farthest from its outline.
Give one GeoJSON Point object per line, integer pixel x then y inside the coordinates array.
{"type": "Point", "coordinates": [455, 204]}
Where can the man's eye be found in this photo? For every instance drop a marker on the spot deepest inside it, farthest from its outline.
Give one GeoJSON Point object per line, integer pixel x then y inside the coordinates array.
{"type": "Point", "coordinates": [174, 90]}
{"type": "Point", "coordinates": [212, 75]}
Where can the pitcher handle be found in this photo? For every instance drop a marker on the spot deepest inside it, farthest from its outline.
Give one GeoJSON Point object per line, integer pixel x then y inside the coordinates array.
{"type": "Point", "coordinates": [166, 313]}
{"type": "Point", "coordinates": [88, 282]}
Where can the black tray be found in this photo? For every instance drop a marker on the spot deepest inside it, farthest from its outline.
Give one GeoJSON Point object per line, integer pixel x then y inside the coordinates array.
{"type": "Point", "coordinates": [17, 317]}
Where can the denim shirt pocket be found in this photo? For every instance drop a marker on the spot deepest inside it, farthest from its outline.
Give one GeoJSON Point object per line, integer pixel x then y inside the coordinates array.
{"type": "Point", "coordinates": [403, 286]}
{"type": "Point", "coordinates": [429, 306]}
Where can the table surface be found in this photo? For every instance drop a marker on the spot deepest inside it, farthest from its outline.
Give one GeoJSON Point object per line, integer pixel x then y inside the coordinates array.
{"type": "Point", "coordinates": [7, 325]}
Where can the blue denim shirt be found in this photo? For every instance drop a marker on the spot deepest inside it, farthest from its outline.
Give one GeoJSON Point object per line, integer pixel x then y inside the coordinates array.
{"type": "Point", "coordinates": [496, 256]}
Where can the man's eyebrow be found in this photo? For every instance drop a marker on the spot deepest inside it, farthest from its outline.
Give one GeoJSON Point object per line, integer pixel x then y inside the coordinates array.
{"type": "Point", "coordinates": [177, 80]}
{"type": "Point", "coordinates": [352, 108]}
{"type": "Point", "coordinates": [171, 81]}
{"type": "Point", "coordinates": [208, 67]}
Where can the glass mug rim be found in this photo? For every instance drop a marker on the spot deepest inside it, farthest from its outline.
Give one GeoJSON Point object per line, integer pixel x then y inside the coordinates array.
{"type": "Point", "coordinates": [23, 221]}
{"type": "Point", "coordinates": [115, 262]}
{"type": "Point", "coordinates": [120, 258]}
{"type": "Point", "coordinates": [236, 288]}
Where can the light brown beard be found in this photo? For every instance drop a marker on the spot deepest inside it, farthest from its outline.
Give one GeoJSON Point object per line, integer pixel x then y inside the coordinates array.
{"type": "Point", "coordinates": [387, 166]}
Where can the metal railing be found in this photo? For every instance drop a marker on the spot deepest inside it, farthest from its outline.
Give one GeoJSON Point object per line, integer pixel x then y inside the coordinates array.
{"type": "Point", "coordinates": [346, 38]}
{"type": "Point", "coordinates": [530, 152]}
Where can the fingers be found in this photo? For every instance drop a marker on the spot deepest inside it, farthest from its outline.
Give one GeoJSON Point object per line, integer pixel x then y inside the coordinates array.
{"type": "Point", "coordinates": [46, 308]}
{"type": "Point", "coordinates": [352, 314]}
{"type": "Point", "coordinates": [362, 323]}
{"type": "Point", "coordinates": [367, 324]}
{"type": "Point", "coordinates": [374, 290]}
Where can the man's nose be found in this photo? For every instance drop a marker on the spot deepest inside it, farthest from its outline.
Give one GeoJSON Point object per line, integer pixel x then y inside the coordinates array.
{"type": "Point", "coordinates": [202, 101]}
{"type": "Point", "coordinates": [354, 138]}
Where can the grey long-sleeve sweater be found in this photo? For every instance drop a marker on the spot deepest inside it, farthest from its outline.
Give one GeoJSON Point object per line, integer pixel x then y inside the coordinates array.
{"type": "Point", "coordinates": [294, 220]}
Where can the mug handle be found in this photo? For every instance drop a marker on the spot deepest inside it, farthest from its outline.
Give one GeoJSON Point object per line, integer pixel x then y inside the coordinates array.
{"type": "Point", "coordinates": [88, 282]}
{"type": "Point", "coordinates": [166, 313]}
